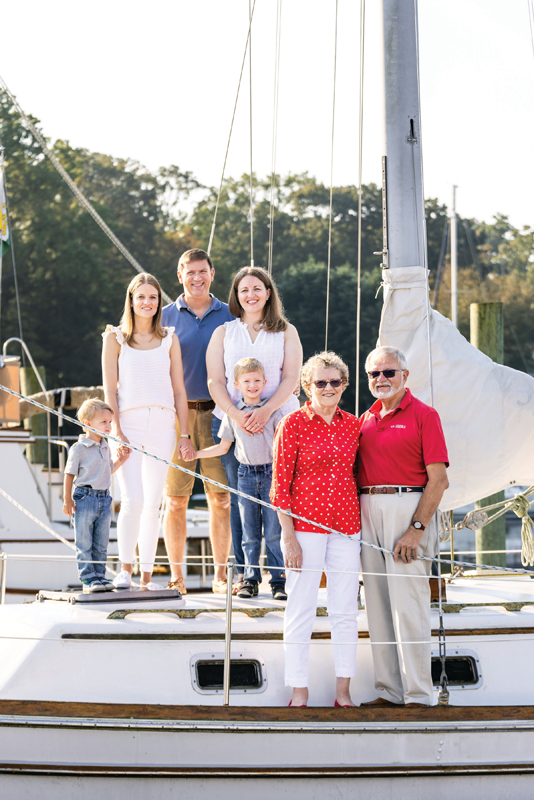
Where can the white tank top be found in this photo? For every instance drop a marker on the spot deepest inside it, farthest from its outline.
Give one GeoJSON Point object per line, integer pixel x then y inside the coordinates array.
{"type": "Point", "coordinates": [268, 349]}
{"type": "Point", "coordinates": [144, 375]}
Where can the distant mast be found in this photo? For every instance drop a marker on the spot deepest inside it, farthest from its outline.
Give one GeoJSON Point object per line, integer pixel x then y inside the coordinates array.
{"type": "Point", "coordinates": [403, 203]}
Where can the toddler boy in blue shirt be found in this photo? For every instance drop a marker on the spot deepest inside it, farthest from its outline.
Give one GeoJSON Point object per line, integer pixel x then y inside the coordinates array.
{"type": "Point", "coordinates": [91, 464]}
{"type": "Point", "coordinates": [255, 457]}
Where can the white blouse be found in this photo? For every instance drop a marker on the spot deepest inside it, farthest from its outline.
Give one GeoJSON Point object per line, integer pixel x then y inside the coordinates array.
{"type": "Point", "coordinates": [144, 375]}
{"type": "Point", "coordinates": [269, 349]}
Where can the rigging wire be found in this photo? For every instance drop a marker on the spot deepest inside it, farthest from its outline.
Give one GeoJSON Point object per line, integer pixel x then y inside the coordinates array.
{"type": "Point", "coordinates": [82, 199]}
{"type": "Point", "coordinates": [230, 133]}
{"type": "Point", "coordinates": [441, 259]}
{"type": "Point", "coordinates": [275, 131]}
{"type": "Point", "coordinates": [250, 125]}
{"type": "Point", "coordinates": [531, 22]}
{"type": "Point", "coordinates": [425, 244]}
{"type": "Point", "coordinates": [360, 170]}
{"type": "Point", "coordinates": [11, 248]}
{"type": "Point", "coordinates": [331, 187]}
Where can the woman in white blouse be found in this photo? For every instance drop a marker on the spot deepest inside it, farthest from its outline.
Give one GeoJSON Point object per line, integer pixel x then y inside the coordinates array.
{"type": "Point", "coordinates": [262, 332]}
{"type": "Point", "coordinates": [144, 385]}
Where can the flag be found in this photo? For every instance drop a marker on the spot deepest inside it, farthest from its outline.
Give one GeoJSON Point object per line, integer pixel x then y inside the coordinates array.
{"type": "Point", "coordinates": [4, 229]}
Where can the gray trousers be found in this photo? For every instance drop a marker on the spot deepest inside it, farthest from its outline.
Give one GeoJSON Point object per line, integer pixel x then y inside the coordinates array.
{"type": "Point", "coordinates": [397, 599]}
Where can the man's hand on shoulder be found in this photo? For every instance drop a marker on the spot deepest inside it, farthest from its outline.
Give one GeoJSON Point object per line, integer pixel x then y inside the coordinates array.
{"type": "Point", "coordinates": [407, 546]}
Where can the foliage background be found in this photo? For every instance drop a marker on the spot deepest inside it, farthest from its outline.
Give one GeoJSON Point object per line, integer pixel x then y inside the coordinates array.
{"type": "Point", "coordinates": [71, 280]}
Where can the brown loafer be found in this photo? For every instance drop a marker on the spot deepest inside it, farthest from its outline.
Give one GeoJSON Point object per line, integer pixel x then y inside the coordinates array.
{"type": "Point", "coordinates": [178, 584]}
{"type": "Point", "coordinates": [381, 701]}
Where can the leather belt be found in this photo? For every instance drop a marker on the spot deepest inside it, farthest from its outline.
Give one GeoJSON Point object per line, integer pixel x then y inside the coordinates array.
{"type": "Point", "coordinates": [391, 489]}
{"type": "Point", "coordinates": [201, 405]}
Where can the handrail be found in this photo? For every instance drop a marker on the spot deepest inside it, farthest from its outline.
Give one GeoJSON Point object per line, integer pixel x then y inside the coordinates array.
{"type": "Point", "coordinates": [48, 428]}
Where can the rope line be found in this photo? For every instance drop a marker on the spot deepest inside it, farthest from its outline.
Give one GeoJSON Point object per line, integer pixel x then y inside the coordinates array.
{"type": "Point", "coordinates": [278, 38]}
{"type": "Point", "coordinates": [331, 187]}
{"type": "Point", "coordinates": [82, 199]}
{"type": "Point", "coordinates": [360, 189]}
{"type": "Point", "coordinates": [212, 234]}
{"type": "Point", "coordinates": [350, 537]}
{"type": "Point", "coordinates": [250, 126]}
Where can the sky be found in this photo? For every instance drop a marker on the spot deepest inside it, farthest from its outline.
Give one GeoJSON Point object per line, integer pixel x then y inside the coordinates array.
{"type": "Point", "coordinates": [157, 83]}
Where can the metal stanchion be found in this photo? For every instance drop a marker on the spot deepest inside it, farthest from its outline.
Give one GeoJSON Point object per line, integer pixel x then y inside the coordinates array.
{"type": "Point", "coordinates": [228, 634]}
{"type": "Point", "coordinates": [4, 577]}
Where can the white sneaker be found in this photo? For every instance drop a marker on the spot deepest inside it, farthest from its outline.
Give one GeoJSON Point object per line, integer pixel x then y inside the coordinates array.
{"type": "Point", "coordinates": [123, 580]}
{"type": "Point", "coordinates": [151, 586]}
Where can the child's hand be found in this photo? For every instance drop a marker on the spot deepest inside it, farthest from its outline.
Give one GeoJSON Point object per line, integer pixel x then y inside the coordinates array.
{"type": "Point", "coordinates": [188, 452]}
{"type": "Point", "coordinates": [69, 507]}
{"type": "Point", "coordinates": [123, 453]}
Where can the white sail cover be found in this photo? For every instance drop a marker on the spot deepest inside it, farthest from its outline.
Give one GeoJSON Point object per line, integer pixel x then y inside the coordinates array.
{"type": "Point", "coordinates": [487, 410]}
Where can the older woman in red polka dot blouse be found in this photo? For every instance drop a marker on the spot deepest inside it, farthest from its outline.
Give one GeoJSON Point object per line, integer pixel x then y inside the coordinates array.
{"type": "Point", "coordinates": [314, 453]}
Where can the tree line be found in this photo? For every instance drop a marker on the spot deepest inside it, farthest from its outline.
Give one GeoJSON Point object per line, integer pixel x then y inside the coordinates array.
{"type": "Point", "coordinates": [72, 281]}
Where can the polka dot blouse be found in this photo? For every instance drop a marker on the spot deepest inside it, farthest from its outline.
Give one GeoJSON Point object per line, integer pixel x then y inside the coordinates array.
{"type": "Point", "coordinates": [313, 469]}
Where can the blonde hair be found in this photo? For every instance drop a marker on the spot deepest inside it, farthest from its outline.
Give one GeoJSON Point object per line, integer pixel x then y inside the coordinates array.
{"type": "Point", "coordinates": [273, 319]}
{"type": "Point", "coordinates": [90, 408]}
{"type": "Point", "coordinates": [327, 359]}
{"type": "Point", "coordinates": [127, 323]}
{"type": "Point", "coordinates": [245, 365]}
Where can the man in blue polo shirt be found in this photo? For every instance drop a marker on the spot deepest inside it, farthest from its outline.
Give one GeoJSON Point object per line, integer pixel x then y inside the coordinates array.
{"type": "Point", "coordinates": [194, 316]}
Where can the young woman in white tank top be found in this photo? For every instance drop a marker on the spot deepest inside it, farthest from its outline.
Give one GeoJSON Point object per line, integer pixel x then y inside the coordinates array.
{"type": "Point", "coordinates": [261, 331]}
{"type": "Point", "coordinates": [144, 385]}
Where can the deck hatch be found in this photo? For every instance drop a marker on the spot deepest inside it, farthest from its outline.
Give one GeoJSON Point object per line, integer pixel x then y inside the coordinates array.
{"type": "Point", "coordinates": [247, 675]}
{"type": "Point", "coordinates": [462, 670]}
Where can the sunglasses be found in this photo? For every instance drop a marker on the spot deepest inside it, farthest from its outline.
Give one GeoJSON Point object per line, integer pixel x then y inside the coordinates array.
{"type": "Point", "coordinates": [335, 384]}
{"type": "Point", "coordinates": [387, 373]}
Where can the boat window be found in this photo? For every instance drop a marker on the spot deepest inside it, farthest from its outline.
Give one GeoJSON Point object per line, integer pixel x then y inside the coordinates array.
{"type": "Point", "coordinates": [461, 670]}
{"type": "Point", "coordinates": [246, 674]}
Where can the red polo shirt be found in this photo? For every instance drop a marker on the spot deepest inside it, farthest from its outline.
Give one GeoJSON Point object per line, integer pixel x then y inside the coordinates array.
{"type": "Point", "coordinates": [396, 449]}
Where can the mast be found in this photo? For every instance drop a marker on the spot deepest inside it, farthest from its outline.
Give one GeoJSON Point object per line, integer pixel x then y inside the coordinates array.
{"type": "Point", "coordinates": [403, 203]}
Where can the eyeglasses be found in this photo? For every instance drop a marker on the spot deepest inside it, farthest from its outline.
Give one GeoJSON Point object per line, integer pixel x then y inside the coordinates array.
{"type": "Point", "coordinates": [335, 384]}
{"type": "Point", "coordinates": [387, 373]}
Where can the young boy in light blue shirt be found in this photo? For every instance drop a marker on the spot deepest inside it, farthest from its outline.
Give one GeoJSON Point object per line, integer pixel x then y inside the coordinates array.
{"type": "Point", "coordinates": [255, 457]}
{"type": "Point", "coordinates": [91, 464]}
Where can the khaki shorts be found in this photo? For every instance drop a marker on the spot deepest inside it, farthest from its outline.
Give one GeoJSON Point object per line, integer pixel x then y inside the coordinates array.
{"type": "Point", "coordinates": [180, 484]}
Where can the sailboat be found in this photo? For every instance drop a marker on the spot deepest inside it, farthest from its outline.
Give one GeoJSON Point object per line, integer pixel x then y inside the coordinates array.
{"type": "Point", "coordinates": [189, 695]}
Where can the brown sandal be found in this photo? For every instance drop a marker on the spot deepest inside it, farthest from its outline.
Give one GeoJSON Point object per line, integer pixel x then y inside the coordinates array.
{"type": "Point", "coordinates": [178, 584]}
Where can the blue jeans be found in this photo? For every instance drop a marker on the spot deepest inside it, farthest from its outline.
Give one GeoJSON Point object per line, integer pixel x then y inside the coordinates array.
{"type": "Point", "coordinates": [255, 480]}
{"type": "Point", "coordinates": [92, 519]}
{"type": "Point", "coordinates": [231, 465]}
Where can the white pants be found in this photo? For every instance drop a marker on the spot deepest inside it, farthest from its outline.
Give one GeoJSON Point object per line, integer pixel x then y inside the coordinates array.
{"type": "Point", "coordinates": [397, 599]}
{"type": "Point", "coordinates": [331, 552]}
{"type": "Point", "coordinates": [141, 480]}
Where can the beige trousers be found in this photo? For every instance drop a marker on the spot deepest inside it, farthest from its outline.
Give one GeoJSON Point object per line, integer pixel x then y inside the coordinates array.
{"type": "Point", "coordinates": [397, 599]}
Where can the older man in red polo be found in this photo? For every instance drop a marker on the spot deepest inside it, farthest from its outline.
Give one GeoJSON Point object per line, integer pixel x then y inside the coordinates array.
{"type": "Point", "coordinates": [401, 477]}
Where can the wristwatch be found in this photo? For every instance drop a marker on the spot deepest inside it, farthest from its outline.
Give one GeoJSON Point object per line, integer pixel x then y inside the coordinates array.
{"type": "Point", "coordinates": [184, 436]}
{"type": "Point", "coordinates": [418, 526]}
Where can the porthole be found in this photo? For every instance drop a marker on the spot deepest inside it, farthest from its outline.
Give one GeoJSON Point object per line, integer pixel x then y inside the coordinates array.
{"type": "Point", "coordinates": [247, 675]}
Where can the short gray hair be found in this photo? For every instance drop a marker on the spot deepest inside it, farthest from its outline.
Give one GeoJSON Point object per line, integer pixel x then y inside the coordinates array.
{"type": "Point", "coordinates": [325, 359]}
{"type": "Point", "coordinates": [387, 351]}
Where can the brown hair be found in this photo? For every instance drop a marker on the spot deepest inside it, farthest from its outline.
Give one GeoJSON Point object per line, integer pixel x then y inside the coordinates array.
{"type": "Point", "coordinates": [90, 408]}
{"type": "Point", "coordinates": [194, 255]}
{"type": "Point", "coordinates": [273, 319]}
{"type": "Point", "coordinates": [249, 364]}
{"type": "Point", "coordinates": [127, 322]}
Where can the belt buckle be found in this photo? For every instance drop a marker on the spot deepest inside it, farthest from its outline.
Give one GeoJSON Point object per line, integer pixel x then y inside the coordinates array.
{"type": "Point", "coordinates": [372, 490]}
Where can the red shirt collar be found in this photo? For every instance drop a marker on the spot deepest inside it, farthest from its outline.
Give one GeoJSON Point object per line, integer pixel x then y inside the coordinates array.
{"type": "Point", "coordinates": [406, 400]}
{"type": "Point", "coordinates": [310, 413]}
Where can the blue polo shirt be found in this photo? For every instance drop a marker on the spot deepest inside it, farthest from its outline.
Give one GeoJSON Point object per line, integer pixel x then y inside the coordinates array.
{"type": "Point", "coordinates": [194, 335]}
